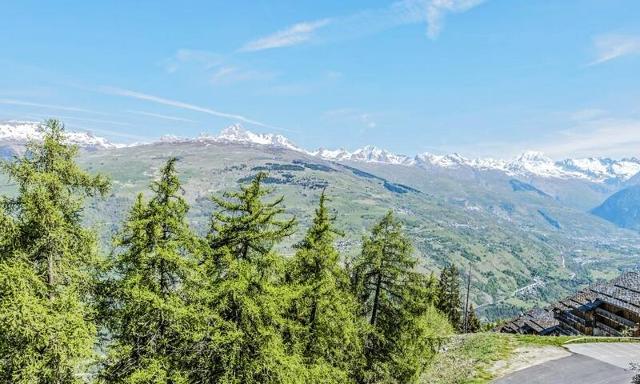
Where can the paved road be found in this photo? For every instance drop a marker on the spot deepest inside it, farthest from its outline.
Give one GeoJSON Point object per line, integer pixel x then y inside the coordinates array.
{"type": "Point", "coordinates": [590, 364]}
{"type": "Point", "coordinates": [618, 354]}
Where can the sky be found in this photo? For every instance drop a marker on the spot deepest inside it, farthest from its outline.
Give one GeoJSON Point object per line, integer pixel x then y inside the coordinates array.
{"type": "Point", "coordinates": [480, 78]}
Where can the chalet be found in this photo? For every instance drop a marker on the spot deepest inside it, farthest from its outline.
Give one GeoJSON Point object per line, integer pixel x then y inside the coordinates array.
{"type": "Point", "coordinates": [534, 322]}
{"type": "Point", "coordinates": [607, 309]}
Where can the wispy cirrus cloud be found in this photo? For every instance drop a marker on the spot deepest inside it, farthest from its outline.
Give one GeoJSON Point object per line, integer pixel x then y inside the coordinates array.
{"type": "Point", "coordinates": [23, 103]}
{"type": "Point", "coordinates": [603, 136]}
{"type": "Point", "coordinates": [232, 74]}
{"type": "Point", "coordinates": [115, 91]}
{"type": "Point", "coordinates": [365, 22]}
{"type": "Point", "coordinates": [216, 68]}
{"type": "Point", "coordinates": [204, 59]}
{"type": "Point", "coordinates": [438, 9]}
{"type": "Point", "coordinates": [294, 35]}
{"type": "Point", "coordinates": [161, 116]}
{"type": "Point", "coordinates": [612, 46]}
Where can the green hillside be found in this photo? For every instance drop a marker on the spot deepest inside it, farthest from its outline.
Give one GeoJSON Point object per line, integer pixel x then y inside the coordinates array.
{"type": "Point", "coordinates": [524, 247]}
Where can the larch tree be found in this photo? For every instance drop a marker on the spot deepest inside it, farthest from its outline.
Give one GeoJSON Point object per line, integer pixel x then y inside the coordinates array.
{"type": "Point", "coordinates": [245, 225]}
{"type": "Point", "coordinates": [247, 298]}
{"type": "Point", "coordinates": [47, 264]}
{"type": "Point", "coordinates": [150, 314]}
{"type": "Point", "coordinates": [473, 323]}
{"type": "Point", "coordinates": [449, 301]}
{"type": "Point", "coordinates": [324, 306]}
{"type": "Point", "coordinates": [395, 302]}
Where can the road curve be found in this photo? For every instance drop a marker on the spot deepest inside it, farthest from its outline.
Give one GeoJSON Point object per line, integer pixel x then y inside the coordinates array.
{"type": "Point", "coordinates": [589, 364]}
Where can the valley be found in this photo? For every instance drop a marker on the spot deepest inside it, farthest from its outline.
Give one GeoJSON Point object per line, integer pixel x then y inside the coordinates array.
{"type": "Point", "coordinates": [527, 239]}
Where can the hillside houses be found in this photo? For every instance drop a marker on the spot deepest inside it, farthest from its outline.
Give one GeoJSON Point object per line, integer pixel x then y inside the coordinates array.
{"type": "Point", "coordinates": [607, 309]}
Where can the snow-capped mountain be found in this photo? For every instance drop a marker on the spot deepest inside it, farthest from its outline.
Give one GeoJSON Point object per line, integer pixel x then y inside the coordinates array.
{"type": "Point", "coordinates": [368, 154]}
{"type": "Point", "coordinates": [238, 135]}
{"type": "Point", "coordinates": [19, 132]}
{"type": "Point", "coordinates": [603, 169]}
{"type": "Point", "coordinates": [528, 164]}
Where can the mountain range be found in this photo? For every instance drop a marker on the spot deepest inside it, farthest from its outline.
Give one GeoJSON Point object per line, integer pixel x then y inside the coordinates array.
{"type": "Point", "coordinates": [531, 163]}
{"type": "Point", "coordinates": [525, 228]}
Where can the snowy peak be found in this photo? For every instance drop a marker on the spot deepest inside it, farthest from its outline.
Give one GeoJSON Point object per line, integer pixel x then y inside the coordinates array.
{"type": "Point", "coordinates": [537, 164]}
{"type": "Point", "coordinates": [337, 154]}
{"type": "Point", "coordinates": [377, 155]}
{"type": "Point", "coordinates": [453, 160]}
{"type": "Point", "coordinates": [236, 134]}
{"type": "Point", "coordinates": [603, 169]}
{"type": "Point", "coordinates": [23, 131]}
{"type": "Point", "coordinates": [368, 154]}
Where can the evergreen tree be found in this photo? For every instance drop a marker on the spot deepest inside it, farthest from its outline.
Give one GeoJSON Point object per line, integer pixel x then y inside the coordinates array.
{"type": "Point", "coordinates": [150, 315]}
{"type": "Point", "coordinates": [449, 301]}
{"type": "Point", "coordinates": [394, 301]}
{"type": "Point", "coordinates": [473, 323]}
{"type": "Point", "coordinates": [47, 260]}
{"type": "Point", "coordinates": [325, 307]}
{"type": "Point", "coordinates": [246, 296]}
{"type": "Point", "coordinates": [245, 225]}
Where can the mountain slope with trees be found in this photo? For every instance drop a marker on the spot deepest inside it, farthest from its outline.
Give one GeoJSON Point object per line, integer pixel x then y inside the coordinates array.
{"type": "Point", "coordinates": [172, 306]}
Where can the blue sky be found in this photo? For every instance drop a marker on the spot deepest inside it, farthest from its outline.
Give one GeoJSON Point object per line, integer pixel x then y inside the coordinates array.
{"type": "Point", "coordinates": [493, 77]}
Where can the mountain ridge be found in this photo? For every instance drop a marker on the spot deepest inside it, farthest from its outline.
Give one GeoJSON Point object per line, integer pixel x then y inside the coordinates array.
{"type": "Point", "coordinates": [528, 164]}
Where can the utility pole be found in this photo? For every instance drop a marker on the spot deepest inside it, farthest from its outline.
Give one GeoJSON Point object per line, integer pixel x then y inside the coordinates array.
{"type": "Point", "coordinates": [466, 303]}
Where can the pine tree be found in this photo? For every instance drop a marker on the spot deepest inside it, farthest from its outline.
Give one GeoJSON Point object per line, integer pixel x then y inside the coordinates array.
{"type": "Point", "coordinates": [246, 296]}
{"type": "Point", "coordinates": [325, 307]}
{"type": "Point", "coordinates": [473, 323]}
{"type": "Point", "coordinates": [246, 226]}
{"type": "Point", "coordinates": [150, 316]}
{"type": "Point", "coordinates": [47, 260]}
{"type": "Point", "coordinates": [389, 289]}
{"type": "Point", "coordinates": [449, 301]}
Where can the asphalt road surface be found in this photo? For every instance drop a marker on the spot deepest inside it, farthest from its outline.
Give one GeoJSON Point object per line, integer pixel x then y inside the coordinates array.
{"type": "Point", "coordinates": [589, 364]}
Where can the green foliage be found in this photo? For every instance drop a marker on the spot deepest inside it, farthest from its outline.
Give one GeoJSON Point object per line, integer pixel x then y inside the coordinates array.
{"type": "Point", "coordinates": [449, 295]}
{"type": "Point", "coordinates": [246, 226]}
{"type": "Point", "coordinates": [245, 295]}
{"type": "Point", "coordinates": [175, 308]}
{"type": "Point", "coordinates": [324, 306]}
{"type": "Point", "coordinates": [473, 323]}
{"type": "Point", "coordinates": [395, 300]}
{"type": "Point", "coordinates": [47, 260]}
{"type": "Point", "coordinates": [149, 312]}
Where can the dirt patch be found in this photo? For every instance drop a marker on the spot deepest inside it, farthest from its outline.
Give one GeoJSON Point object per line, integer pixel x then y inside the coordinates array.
{"type": "Point", "coordinates": [528, 356]}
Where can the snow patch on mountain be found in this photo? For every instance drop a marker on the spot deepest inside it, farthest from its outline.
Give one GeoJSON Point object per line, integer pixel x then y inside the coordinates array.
{"type": "Point", "coordinates": [238, 135]}
{"type": "Point", "coordinates": [22, 131]}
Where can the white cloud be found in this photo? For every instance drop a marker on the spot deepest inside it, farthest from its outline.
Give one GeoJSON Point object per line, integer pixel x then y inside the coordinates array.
{"type": "Point", "coordinates": [163, 117]}
{"type": "Point", "coordinates": [22, 103]}
{"type": "Point", "coordinates": [368, 21]}
{"type": "Point", "coordinates": [294, 35]}
{"type": "Point", "coordinates": [610, 47]}
{"type": "Point", "coordinates": [182, 105]}
{"type": "Point", "coordinates": [606, 136]}
{"type": "Point", "coordinates": [200, 58]}
{"type": "Point", "coordinates": [232, 74]}
{"type": "Point", "coordinates": [438, 9]}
